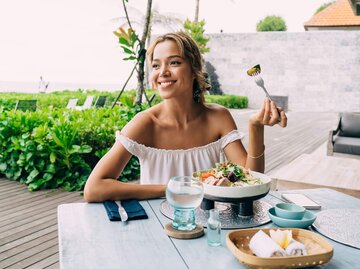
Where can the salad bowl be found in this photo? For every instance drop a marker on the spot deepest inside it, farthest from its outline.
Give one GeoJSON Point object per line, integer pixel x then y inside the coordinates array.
{"type": "Point", "coordinates": [237, 192]}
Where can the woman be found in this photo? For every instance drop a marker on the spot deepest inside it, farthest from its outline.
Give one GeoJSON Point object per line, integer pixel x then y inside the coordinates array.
{"type": "Point", "coordinates": [181, 134]}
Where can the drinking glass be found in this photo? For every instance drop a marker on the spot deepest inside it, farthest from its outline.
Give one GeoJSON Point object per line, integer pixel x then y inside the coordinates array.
{"type": "Point", "coordinates": [184, 194]}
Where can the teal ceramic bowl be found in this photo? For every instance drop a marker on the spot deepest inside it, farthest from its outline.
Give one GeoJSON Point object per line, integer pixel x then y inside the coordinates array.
{"type": "Point", "coordinates": [289, 211]}
{"type": "Point", "coordinates": [306, 221]}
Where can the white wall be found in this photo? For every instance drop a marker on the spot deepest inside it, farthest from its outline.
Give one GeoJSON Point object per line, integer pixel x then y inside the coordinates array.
{"type": "Point", "coordinates": [318, 71]}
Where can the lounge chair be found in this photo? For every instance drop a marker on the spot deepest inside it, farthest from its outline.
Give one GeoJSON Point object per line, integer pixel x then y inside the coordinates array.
{"type": "Point", "coordinates": [72, 103]}
{"type": "Point", "coordinates": [100, 101]}
{"type": "Point", "coordinates": [346, 137]}
{"type": "Point", "coordinates": [24, 105]}
{"type": "Point", "coordinates": [87, 104]}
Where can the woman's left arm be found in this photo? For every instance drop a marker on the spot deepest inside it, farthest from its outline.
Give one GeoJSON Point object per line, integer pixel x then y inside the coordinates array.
{"type": "Point", "coordinates": [269, 115]}
{"type": "Point", "coordinates": [254, 158]}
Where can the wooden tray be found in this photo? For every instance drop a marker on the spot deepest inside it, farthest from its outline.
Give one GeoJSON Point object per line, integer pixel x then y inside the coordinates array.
{"type": "Point", "coordinates": [319, 250]}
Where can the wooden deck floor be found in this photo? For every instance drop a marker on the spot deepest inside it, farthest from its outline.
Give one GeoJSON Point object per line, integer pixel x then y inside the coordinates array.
{"type": "Point", "coordinates": [28, 221]}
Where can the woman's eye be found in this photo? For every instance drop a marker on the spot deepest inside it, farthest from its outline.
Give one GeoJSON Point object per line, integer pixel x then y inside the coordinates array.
{"type": "Point", "coordinates": [175, 63]}
{"type": "Point", "coordinates": [155, 66]}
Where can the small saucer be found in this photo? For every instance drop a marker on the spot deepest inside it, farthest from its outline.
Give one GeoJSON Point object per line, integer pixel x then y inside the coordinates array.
{"type": "Point", "coordinates": [306, 221]}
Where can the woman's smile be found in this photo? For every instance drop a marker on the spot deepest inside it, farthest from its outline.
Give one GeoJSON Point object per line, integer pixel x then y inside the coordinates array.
{"type": "Point", "coordinates": [166, 84]}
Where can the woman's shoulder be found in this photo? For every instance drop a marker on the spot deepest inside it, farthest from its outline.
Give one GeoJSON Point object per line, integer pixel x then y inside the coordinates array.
{"type": "Point", "coordinates": [221, 117]}
{"type": "Point", "coordinates": [139, 128]}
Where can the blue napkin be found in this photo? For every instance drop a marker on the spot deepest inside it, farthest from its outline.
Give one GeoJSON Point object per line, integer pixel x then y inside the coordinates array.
{"type": "Point", "coordinates": [132, 207]}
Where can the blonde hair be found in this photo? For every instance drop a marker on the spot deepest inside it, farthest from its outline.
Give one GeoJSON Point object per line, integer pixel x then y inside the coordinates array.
{"type": "Point", "coordinates": [191, 52]}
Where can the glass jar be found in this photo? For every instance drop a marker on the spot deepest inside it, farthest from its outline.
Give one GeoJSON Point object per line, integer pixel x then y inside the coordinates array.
{"type": "Point", "coordinates": [213, 232]}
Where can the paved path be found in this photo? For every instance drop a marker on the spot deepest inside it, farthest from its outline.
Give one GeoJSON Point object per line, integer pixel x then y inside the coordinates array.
{"type": "Point", "coordinates": [28, 221]}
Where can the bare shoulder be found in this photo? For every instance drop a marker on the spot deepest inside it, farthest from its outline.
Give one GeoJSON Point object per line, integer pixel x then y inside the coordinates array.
{"type": "Point", "coordinates": [139, 128]}
{"type": "Point", "coordinates": [221, 117]}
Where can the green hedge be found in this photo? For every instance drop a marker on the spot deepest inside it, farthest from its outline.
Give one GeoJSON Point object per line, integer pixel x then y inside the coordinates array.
{"type": "Point", "coordinates": [58, 148]}
{"type": "Point", "coordinates": [229, 101]}
{"type": "Point", "coordinates": [60, 99]}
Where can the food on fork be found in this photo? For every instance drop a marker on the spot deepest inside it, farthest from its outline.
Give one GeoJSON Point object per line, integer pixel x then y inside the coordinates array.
{"type": "Point", "coordinates": [228, 174]}
{"type": "Point", "coordinates": [254, 70]}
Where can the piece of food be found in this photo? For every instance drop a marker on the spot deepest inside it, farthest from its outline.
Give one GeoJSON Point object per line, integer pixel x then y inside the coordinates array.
{"type": "Point", "coordinates": [296, 248]}
{"type": "Point", "coordinates": [228, 174]}
{"type": "Point", "coordinates": [263, 246]}
{"type": "Point", "coordinates": [254, 70]}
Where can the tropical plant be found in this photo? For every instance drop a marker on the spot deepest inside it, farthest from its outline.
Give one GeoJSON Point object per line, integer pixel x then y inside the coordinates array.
{"type": "Point", "coordinates": [196, 30]}
{"type": "Point", "coordinates": [271, 23]}
{"type": "Point", "coordinates": [134, 47]}
{"type": "Point", "coordinates": [323, 6]}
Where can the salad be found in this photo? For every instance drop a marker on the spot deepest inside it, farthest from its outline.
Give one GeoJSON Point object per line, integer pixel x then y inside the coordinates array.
{"type": "Point", "coordinates": [229, 175]}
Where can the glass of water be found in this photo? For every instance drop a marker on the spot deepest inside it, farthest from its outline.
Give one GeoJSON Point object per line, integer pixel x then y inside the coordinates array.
{"type": "Point", "coordinates": [184, 194]}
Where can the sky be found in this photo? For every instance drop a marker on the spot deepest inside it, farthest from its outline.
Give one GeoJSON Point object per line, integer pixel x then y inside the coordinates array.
{"type": "Point", "coordinates": [72, 41]}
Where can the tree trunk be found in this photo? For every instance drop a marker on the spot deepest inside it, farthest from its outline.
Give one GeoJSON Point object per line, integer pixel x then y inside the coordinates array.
{"type": "Point", "coordinates": [197, 3]}
{"type": "Point", "coordinates": [140, 77]}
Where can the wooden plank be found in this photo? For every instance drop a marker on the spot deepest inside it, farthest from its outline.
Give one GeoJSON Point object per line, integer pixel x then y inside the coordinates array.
{"type": "Point", "coordinates": [13, 234]}
{"type": "Point", "coordinates": [29, 205]}
{"type": "Point", "coordinates": [55, 265]}
{"type": "Point", "coordinates": [28, 231]}
{"type": "Point", "coordinates": [34, 217]}
{"type": "Point", "coordinates": [28, 238]}
{"type": "Point", "coordinates": [28, 245]}
{"type": "Point", "coordinates": [24, 218]}
{"type": "Point", "coordinates": [48, 262]}
{"type": "Point", "coordinates": [29, 211]}
{"type": "Point", "coordinates": [35, 258]}
{"type": "Point", "coordinates": [29, 253]}
{"type": "Point", "coordinates": [5, 182]}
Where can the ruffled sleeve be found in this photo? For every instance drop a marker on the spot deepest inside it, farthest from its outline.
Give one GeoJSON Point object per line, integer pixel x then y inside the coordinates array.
{"type": "Point", "coordinates": [231, 137]}
{"type": "Point", "coordinates": [130, 145]}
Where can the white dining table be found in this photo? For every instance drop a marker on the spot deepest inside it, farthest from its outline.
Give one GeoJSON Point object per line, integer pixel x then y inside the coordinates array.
{"type": "Point", "coordinates": [87, 239]}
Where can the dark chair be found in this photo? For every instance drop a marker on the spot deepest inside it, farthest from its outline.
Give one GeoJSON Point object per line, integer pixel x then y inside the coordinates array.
{"type": "Point", "coordinates": [346, 137]}
{"type": "Point", "coordinates": [100, 101]}
{"type": "Point", "coordinates": [25, 105]}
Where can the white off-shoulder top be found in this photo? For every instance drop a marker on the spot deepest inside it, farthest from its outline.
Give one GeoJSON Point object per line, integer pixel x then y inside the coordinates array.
{"type": "Point", "coordinates": [157, 166]}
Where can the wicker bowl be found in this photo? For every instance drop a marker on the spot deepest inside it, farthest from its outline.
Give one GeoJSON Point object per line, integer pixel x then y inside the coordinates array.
{"type": "Point", "coordinates": [319, 250]}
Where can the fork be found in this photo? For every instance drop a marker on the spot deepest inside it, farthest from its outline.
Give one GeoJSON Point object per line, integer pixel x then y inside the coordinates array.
{"type": "Point", "coordinates": [260, 82]}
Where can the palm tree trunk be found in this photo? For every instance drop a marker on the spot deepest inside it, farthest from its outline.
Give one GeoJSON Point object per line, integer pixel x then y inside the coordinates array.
{"type": "Point", "coordinates": [197, 4]}
{"type": "Point", "coordinates": [141, 73]}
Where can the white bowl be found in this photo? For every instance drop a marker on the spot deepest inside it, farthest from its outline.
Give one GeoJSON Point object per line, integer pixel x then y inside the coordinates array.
{"type": "Point", "coordinates": [238, 192]}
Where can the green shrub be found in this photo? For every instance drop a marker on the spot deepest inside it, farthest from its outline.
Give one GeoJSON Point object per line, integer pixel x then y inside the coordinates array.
{"type": "Point", "coordinates": [60, 99]}
{"type": "Point", "coordinates": [229, 101]}
{"type": "Point", "coordinates": [271, 23]}
{"type": "Point", "coordinates": [59, 148]}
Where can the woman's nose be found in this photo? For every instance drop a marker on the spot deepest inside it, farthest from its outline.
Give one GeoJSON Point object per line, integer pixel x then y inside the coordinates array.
{"type": "Point", "coordinates": [164, 71]}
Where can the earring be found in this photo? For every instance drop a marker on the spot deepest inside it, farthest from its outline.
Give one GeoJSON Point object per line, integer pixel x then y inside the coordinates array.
{"type": "Point", "coordinates": [197, 94]}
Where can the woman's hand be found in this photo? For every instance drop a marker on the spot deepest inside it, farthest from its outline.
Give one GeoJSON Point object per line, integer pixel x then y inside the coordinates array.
{"type": "Point", "coordinates": [269, 114]}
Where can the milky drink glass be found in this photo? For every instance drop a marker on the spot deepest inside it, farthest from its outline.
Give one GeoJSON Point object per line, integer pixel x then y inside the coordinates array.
{"type": "Point", "coordinates": [184, 194]}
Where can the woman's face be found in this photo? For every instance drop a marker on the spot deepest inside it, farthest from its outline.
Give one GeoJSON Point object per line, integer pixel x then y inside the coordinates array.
{"type": "Point", "coordinates": [171, 74]}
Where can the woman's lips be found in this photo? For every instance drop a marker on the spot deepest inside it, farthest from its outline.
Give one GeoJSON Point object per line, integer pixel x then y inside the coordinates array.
{"type": "Point", "coordinates": [165, 84]}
